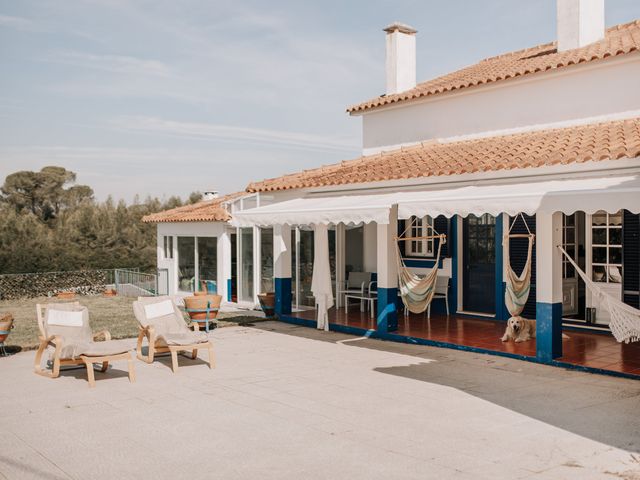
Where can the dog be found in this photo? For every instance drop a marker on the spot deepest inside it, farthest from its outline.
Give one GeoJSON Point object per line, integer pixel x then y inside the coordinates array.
{"type": "Point", "coordinates": [519, 329]}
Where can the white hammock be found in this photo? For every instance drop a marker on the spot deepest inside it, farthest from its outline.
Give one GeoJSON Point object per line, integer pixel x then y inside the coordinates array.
{"type": "Point", "coordinates": [518, 287]}
{"type": "Point", "coordinates": [625, 320]}
{"type": "Point", "coordinates": [417, 291]}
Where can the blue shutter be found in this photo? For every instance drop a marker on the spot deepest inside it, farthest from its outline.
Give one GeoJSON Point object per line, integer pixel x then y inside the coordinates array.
{"type": "Point", "coordinates": [518, 258]}
{"type": "Point", "coordinates": [441, 225]}
{"type": "Point", "coordinates": [631, 258]}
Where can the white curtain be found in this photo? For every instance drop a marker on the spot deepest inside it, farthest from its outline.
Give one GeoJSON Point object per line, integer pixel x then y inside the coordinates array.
{"type": "Point", "coordinates": [321, 281]}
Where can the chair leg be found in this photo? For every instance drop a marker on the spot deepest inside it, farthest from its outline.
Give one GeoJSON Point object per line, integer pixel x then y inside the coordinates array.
{"type": "Point", "coordinates": [429, 312]}
{"type": "Point", "coordinates": [212, 357]}
{"type": "Point", "coordinates": [132, 370]}
{"type": "Point", "coordinates": [194, 354]}
{"type": "Point", "coordinates": [90, 375]}
{"type": "Point", "coordinates": [446, 303]}
{"type": "Point", "coordinates": [105, 366]}
{"type": "Point", "coordinates": [174, 360]}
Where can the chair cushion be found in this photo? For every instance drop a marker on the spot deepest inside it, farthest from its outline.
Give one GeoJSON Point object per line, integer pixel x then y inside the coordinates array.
{"type": "Point", "coordinates": [96, 349]}
{"type": "Point", "coordinates": [186, 338]}
{"type": "Point", "coordinates": [158, 309]}
{"type": "Point", "coordinates": [64, 318]}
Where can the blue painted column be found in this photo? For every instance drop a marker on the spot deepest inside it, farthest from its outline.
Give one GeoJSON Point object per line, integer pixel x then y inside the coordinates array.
{"type": "Point", "coordinates": [387, 312]}
{"type": "Point", "coordinates": [282, 268]}
{"type": "Point", "coordinates": [548, 286]}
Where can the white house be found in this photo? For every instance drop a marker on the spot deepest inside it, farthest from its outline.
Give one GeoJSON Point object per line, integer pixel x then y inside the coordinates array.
{"type": "Point", "coordinates": [551, 132]}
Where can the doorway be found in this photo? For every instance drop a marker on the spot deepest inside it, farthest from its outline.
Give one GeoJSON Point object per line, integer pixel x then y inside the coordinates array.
{"type": "Point", "coordinates": [479, 263]}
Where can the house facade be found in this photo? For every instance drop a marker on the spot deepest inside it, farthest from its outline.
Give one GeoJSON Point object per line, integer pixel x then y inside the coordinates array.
{"type": "Point", "coordinates": [543, 140]}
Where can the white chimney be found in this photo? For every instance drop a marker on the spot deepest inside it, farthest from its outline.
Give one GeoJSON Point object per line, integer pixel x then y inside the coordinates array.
{"type": "Point", "coordinates": [210, 195]}
{"type": "Point", "coordinates": [580, 22]}
{"type": "Point", "coordinates": [400, 58]}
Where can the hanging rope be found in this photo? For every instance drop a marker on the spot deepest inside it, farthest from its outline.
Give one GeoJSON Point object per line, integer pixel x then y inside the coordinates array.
{"type": "Point", "coordinates": [518, 287]}
{"type": "Point", "coordinates": [417, 291]}
{"type": "Point", "coordinates": [625, 320]}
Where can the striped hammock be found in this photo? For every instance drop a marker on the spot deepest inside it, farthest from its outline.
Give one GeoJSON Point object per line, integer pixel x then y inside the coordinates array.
{"type": "Point", "coordinates": [518, 287]}
{"type": "Point", "coordinates": [417, 291]}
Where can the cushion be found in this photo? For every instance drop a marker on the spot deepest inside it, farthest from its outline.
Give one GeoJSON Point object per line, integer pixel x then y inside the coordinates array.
{"type": "Point", "coordinates": [96, 349]}
{"type": "Point", "coordinates": [186, 338]}
{"type": "Point", "coordinates": [159, 309]}
{"type": "Point", "coordinates": [64, 318]}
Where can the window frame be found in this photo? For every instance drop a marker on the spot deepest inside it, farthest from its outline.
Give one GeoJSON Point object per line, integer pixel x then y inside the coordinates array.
{"type": "Point", "coordinates": [168, 247]}
{"type": "Point", "coordinates": [607, 246]}
{"type": "Point", "coordinates": [419, 227]}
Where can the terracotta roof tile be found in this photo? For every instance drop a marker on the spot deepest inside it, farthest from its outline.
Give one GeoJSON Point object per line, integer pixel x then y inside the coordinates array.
{"type": "Point", "coordinates": [619, 40]}
{"type": "Point", "coordinates": [594, 142]}
{"type": "Point", "coordinates": [204, 211]}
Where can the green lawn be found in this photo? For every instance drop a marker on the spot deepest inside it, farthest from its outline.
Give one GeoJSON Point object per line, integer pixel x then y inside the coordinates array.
{"type": "Point", "coordinates": [105, 313]}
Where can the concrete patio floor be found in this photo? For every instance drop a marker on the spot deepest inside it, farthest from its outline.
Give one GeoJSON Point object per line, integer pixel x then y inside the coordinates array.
{"type": "Point", "coordinates": [289, 402]}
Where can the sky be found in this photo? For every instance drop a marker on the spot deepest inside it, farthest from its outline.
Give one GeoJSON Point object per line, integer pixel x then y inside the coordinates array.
{"type": "Point", "coordinates": [166, 97]}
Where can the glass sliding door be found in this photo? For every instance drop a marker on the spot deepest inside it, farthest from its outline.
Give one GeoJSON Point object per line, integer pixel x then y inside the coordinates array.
{"type": "Point", "coordinates": [305, 268]}
{"type": "Point", "coordinates": [186, 264]}
{"type": "Point", "coordinates": [246, 265]}
{"type": "Point", "coordinates": [207, 264]}
{"type": "Point", "coordinates": [266, 260]}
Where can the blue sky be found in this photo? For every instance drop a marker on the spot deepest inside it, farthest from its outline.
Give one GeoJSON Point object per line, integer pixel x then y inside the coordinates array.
{"type": "Point", "coordinates": [165, 97]}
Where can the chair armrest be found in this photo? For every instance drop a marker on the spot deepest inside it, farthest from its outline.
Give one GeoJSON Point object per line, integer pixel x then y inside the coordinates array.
{"type": "Point", "coordinates": [104, 333]}
{"type": "Point", "coordinates": [362, 285]}
{"type": "Point", "coordinates": [55, 340]}
{"type": "Point", "coordinates": [371, 285]}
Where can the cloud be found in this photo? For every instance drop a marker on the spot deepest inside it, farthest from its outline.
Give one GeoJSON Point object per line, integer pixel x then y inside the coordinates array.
{"type": "Point", "coordinates": [17, 23]}
{"type": "Point", "coordinates": [230, 133]}
{"type": "Point", "coordinates": [111, 63]}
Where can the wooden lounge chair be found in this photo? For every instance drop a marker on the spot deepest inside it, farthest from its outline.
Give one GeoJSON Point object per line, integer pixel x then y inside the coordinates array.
{"type": "Point", "coordinates": [65, 327]}
{"type": "Point", "coordinates": [166, 331]}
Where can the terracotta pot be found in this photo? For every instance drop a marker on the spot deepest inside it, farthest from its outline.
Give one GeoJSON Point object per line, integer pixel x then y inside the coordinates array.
{"type": "Point", "coordinates": [268, 303]}
{"type": "Point", "coordinates": [65, 295]}
{"type": "Point", "coordinates": [200, 302]}
{"type": "Point", "coordinates": [200, 294]}
{"type": "Point", "coordinates": [6, 324]}
{"type": "Point", "coordinates": [110, 292]}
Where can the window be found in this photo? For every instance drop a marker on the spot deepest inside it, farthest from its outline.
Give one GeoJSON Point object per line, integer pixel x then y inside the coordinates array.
{"type": "Point", "coordinates": [606, 247]}
{"type": "Point", "coordinates": [168, 247]}
{"type": "Point", "coordinates": [419, 227]}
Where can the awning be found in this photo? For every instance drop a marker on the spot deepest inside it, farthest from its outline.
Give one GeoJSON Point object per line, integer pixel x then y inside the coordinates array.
{"type": "Point", "coordinates": [347, 209]}
{"type": "Point", "coordinates": [609, 193]}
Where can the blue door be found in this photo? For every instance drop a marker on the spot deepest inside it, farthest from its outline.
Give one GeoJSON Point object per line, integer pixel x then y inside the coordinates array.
{"type": "Point", "coordinates": [479, 257]}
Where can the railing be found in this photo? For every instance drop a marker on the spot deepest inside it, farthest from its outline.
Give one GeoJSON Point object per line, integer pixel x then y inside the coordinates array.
{"type": "Point", "coordinates": [133, 283]}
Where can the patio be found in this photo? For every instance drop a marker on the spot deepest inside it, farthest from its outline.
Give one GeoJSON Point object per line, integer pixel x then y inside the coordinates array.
{"type": "Point", "coordinates": [293, 402]}
{"type": "Point", "coordinates": [582, 348]}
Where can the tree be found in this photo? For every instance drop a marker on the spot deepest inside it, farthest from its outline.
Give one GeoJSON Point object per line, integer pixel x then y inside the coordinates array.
{"type": "Point", "coordinates": [43, 193]}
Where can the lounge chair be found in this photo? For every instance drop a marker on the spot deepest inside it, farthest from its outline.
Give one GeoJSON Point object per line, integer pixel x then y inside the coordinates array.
{"type": "Point", "coordinates": [65, 327]}
{"type": "Point", "coordinates": [166, 331]}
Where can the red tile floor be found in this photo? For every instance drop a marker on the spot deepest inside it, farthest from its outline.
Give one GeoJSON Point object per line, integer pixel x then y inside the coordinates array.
{"type": "Point", "coordinates": [583, 348]}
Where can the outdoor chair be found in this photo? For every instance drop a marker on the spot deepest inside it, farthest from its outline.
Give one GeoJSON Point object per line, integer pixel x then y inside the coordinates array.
{"type": "Point", "coordinates": [65, 328]}
{"type": "Point", "coordinates": [357, 283]}
{"type": "Point", "coordinates": [6, 325]}
{"type": "Point", "coordinates": [162, 323]}
{"type": "Point", "coordinates": [442, 292]}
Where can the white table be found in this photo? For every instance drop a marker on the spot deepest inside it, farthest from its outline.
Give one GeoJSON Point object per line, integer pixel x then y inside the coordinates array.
{"type": "Point", "coordinates": [370, 299]}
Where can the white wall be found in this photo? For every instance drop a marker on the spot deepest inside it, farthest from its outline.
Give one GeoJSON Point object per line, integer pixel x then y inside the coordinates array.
{"type": "Point", "coordinates": [599, 88]}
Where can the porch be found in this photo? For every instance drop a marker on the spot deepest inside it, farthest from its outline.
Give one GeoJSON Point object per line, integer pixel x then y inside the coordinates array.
{"type": "Point", "coordinates": [593, 351]}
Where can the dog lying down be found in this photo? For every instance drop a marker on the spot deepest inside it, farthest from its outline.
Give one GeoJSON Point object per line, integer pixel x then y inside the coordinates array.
{"type": "Point", "coordinates": [520, 329]}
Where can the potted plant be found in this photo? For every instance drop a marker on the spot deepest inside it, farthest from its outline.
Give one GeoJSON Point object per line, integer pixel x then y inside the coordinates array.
{"type": "Point", "coordinates": [268, 303]}
{"type": "Point", "coordinates": [202, 309]}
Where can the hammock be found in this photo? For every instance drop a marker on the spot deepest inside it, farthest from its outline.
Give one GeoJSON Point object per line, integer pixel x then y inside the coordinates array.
{"type": "Point", "coordinates": [625, 320]}
{"type": "Point", "coordinates": [417, 291]}
{"type": "Point", "coordinates": [517, 289]}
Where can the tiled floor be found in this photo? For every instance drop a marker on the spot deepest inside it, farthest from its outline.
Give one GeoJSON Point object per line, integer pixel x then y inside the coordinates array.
{"type": "Point", "coordinates": [594, 350]}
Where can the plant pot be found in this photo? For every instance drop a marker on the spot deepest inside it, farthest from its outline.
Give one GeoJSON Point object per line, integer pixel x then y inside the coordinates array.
{"type": "Point", "coordinates": [268, 303]}
{"type": "Point", "coordinates": [6, 324]}
{"type": "Point", "coordinates": [66, 295]}
{"type": "Point", "coordinates": [110, 292]}
{"type": "Point", "coordinates": [200, 294]}
{"type": "Point", "coordinates": [201, 302]}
